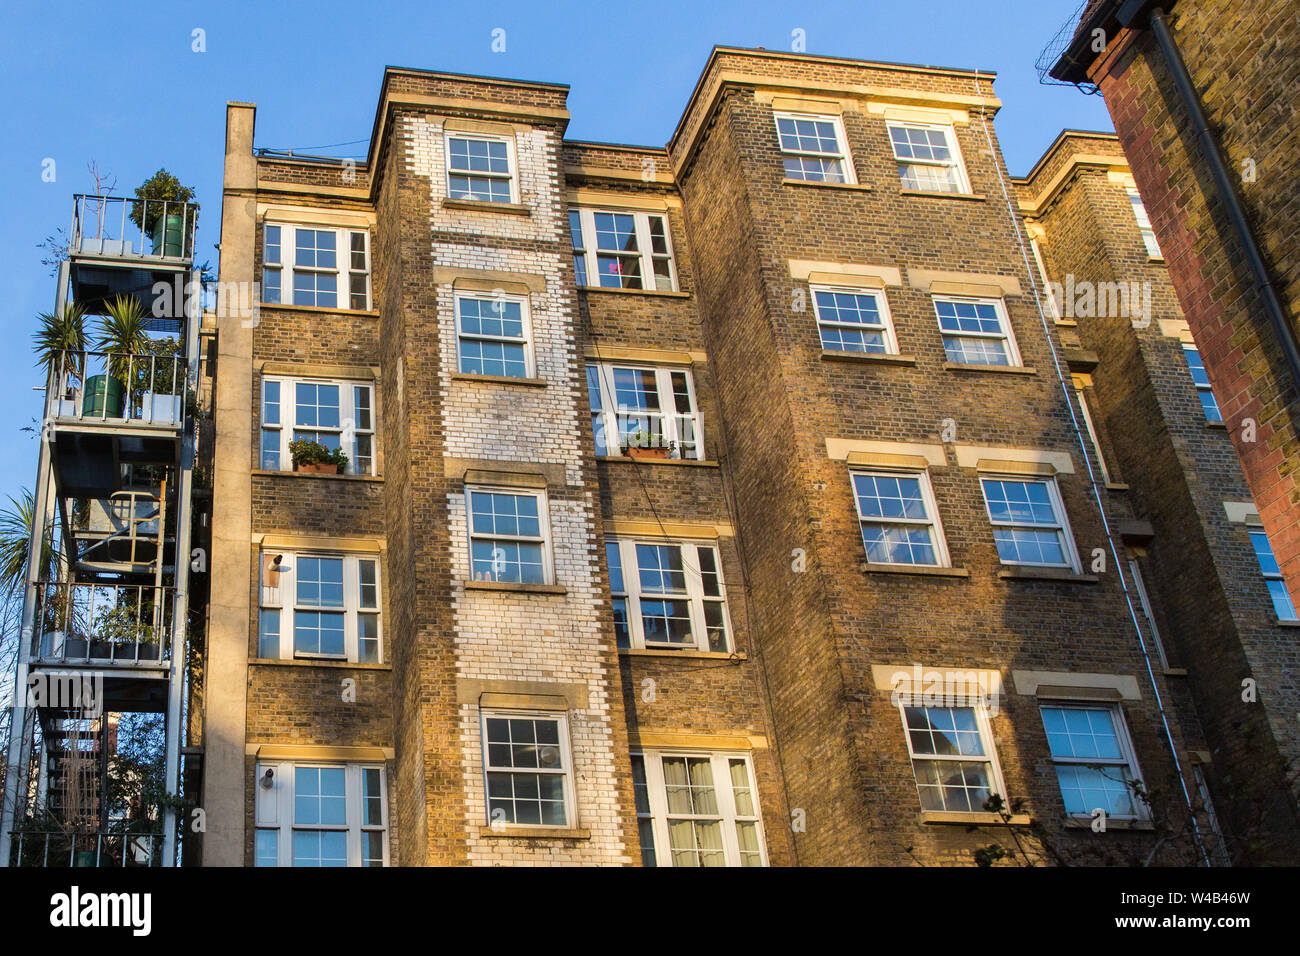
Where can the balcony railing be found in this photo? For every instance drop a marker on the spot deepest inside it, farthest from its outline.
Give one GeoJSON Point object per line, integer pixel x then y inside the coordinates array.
{"type": "Point", "coordinates": [102, 624]}
{"type": "Point", "coordinates": [104, 848]}
{"type": "Point", "coordinates": [668, 435]}
{"type": "Point", "coordinates": [117, 227]}
{"type": "Point", "coordinates": [116, 387]}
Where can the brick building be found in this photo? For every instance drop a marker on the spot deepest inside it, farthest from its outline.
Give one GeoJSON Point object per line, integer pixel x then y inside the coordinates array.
{"type": "Point", "coordinates": [1201, 93]}
{"type": "Point", "coordinates": [1214, 613]}
{"type": "Point", "coordinates": [722, 504]}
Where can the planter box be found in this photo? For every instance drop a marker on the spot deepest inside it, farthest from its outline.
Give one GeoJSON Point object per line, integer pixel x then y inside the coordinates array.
{"type": "Point", "coordinates": [105, 247]}
{"type": "Point", "coordinates": [51, 644]}
{"type": "Point", "coordinates": [637, 451]}
{"type": "Point", "coordinates": [161, 409]}
{"type": "Point", "coordinates": [66, 407]}
{"type": "Point", "coordinates": [318, 468]}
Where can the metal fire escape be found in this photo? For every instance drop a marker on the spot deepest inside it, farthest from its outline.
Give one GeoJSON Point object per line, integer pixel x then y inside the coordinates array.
{"type": "Point", "coordinates": [107, 635]}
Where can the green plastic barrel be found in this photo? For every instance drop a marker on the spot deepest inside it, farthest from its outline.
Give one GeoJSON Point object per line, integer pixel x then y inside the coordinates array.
{"type": "Point", "coordinates": [169, 236]}
{"type": "Point", "coordinates": [103, 397]}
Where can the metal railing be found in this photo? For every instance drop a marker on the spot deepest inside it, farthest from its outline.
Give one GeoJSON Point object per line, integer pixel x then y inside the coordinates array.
{"type": "Point", "coordinates": [124, 228]}
{"type": "Point", "coordinates": [102, 623]}
{"type": "Point", "coordinates": [121, 529]}
{"type": "Point", "coordinates": [677, 435]}
{"type": "Point", "coordinates": [117, 387]}
{"type": "Point", "coordinates": [102, 848]}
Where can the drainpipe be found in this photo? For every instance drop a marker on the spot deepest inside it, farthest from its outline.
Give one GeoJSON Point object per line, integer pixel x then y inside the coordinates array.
{"type": "Point", "coordinates": [1236, 214]}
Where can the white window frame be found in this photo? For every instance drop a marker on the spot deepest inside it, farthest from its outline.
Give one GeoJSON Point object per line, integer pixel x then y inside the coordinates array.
{"type": "Point", "coordinates": [1061, 527]}
{"type": "Point", "coordinates": [957, 164]}
{"type": "Point", "coordinates": [345, 269]}
{"type": "Point", "coordinates": [565, 773]}
{"type": "Point", "coordinates": [511, 176]}
{"type": "Point", "coordinates": [670, 418]}
{"type": "Point", "coordinates": [844, 157]}
{"type": "Point", "coordinates": [886, 328]}
{"type": "Point", "coordinates": [1224, 858]}
{"type": "Point", "coordinates": [989, 757]}
{"type": "Point", "coordinates": [1144, 601]}
{"type": "Point", "coordinates": [283, 598]}
{"type": "Point", "coordinates": [274, 807]}
{"type": "Point", "coordinates": [694, 595]}
{"type": "Point", "coordinates": [1270, 575]}
{"type": "Point", "coordinates": [1007, 335]}
{"type": "Point", "coordinates": [932, 520]}
{"type": "Point", "coordinates": [350, 435]}
{"type": "Point", "coordinates": [584, 245]}
{"type": "Point", "coordinates": [1092, 432]}
{"type": "Point", "coordinates": [1144, 223]}
{"type": "Point", "coordinates": [1053, 307]}
{"type": "Point", "coordinates": [530, 363]}
{"type": "Point", "coordinates": [1206, 389]}
{"type": "Point", "coordinates": [1127, 759]}
{"type": "Point", "coordinates": [720, 767]}
{"type": "Point", "coordinates": [543, 524]}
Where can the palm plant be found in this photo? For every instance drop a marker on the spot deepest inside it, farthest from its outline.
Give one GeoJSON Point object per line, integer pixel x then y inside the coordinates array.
{"type": "Point", "coordinates": [15, 545]}
{"type": "Point", "coordinates": [123, 334]}
{"type": "Point", "coordinates": [59, 334]}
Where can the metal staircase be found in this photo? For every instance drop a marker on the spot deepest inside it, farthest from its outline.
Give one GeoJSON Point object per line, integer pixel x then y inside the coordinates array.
{"type": "Point", "coordinates": [107, 636]}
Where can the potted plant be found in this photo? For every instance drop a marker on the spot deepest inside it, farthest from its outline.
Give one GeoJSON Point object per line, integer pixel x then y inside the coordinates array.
{"type": "Point", "coordinates": [312, 456]}
{"type": "Point", "coordinates": [644, 444]}
{"type": "Point", "coordinates": [60, 346]}
{"type": "Point", "coordinates": [160, 380]}
{"type": "Point", "coordinates": [159, 211]}
{"type": "Point", "coordinates": [123, 337]}
{"type": "Point", "coordinates": [125, 633]}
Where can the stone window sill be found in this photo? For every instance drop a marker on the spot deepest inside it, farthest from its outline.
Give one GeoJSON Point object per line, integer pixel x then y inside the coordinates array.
{"type": "Point", "coordinates": [289, 307]}
{"type": "Point", "coordinates": [1116, 486]}
{"type": "Point", "coordinates": [1175, 671]}
{"type": "Point", "coordinates": [1085, 823]}
{"type": "Point", "coordinates": [317, 662]}
{"type": "Point", "coordinates": [1288, 623]}
{"type": "Point", "coordinates": [852, 187]}
{"type": "Point", "coordinates": [867, 358]}
{"type": "Point", "coordinates": [664, 293]}
{"type": "Point", "coordinates": [1046, 574]}
{"type": "Point", "coordinates": [687, 462]}
{"type": "Point", "coordinates": [693, 655]}
{"type": "Point", "coordinates": [968, 818]}
{"type": "Point", "coordinates": [480, 205]}
{"type": "Point", "coordinates": [314, 474]}
{"type": "Point", "coordinates": [870, 568]}
{"type": "Point", "coordinates": [969, 197]}
{"type": "Point", "coordinates": [498, 379]}
{"type": "Point", "coordinates": [1220, 425]}
{"type": "Point", "coordinates": [1005, 369]}
{"type": "Point", "coordinates": [512, 586]}
{"type": "Point", "coordinates": [533, 833]}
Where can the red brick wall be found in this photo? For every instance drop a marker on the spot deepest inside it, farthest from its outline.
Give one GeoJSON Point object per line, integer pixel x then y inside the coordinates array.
{"type": "Point", "coordinates": [1238, 58]}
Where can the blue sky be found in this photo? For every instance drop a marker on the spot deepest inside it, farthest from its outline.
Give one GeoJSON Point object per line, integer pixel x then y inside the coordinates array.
{"type": "Point", "coordinates": [119, 83]}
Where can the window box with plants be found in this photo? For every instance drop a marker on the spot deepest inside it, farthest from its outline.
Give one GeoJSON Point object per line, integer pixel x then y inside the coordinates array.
{"type": "Point", "coordinates": [645, 444]}
{"type": "Point", "coordinates": [314, 458]}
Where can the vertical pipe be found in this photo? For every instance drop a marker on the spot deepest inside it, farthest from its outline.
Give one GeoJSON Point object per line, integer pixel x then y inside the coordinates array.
{"type": "Point", "coordinates": [181, 563]}
{"type": "Point", "coordinates": [22, 720]}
